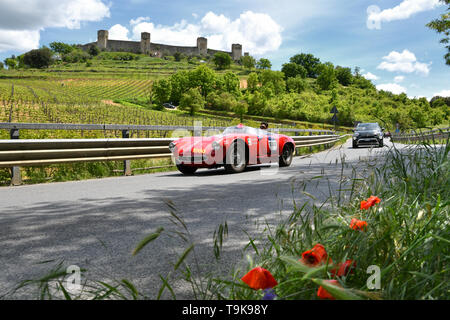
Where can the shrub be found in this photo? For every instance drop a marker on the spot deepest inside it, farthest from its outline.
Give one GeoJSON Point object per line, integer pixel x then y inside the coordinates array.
{"type": "Point", "coordinates": [94, 50]}
{"type": "Point", "coordinates": [192, 101]}
{"type": "Point", "coordinates": [296, 85]}
{"type": "Point", "coordinates": [222, 60]}
{"type": "Point", "coordinates": [76, 56]}
{"type": "Point", "coordinates": [38, 58]}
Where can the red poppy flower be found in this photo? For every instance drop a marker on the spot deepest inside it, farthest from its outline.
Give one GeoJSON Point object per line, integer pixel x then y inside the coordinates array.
{"type": "Point", "coordinates": [315, 256]}
{"type": "Point", "coordinates": [324, 294]}
{"type": "Point", "coordinates": [356, 224]}
{"type": "Point", "coordinates": [366, 204]}
{"type": "Point", "coordinates": [344, 268]}
{"type": "Point", "coordinates": [259, 278]}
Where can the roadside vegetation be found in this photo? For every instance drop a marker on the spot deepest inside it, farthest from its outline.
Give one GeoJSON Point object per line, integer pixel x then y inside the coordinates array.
{"type": "Point", "coordinates": [383, 234]}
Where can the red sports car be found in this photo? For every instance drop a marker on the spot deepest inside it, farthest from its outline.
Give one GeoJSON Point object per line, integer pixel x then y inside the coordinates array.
{"type": "Point", "coordinates": [235, 149]}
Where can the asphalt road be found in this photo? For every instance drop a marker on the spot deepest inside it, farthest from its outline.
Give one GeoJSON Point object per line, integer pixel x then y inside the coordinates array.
{"type": "Point", "coordinates": [97, 223]}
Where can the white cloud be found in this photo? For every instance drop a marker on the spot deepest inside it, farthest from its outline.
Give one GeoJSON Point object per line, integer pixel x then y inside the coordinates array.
{"type": "Point", "coordinates": [370, 76]}
{"type": "Point", "coordinates": [405, 62]}
{"type": "Point", "coordinates": [443, 93]}
{"type": "Point", "coordinates": [18, 40]}
{"type": "Point", "coordinates": [399, 79]}
{"type": "Point", "coordinates": [118, 32]}
{"type": "Point", "coordinates": [404, 10]}
{"type": "Point", "coordinates": [257, 32]}
{"type": "Point", "coordinates": [392, 87]}
{"type": "Point", "coordinates": [20, 24]}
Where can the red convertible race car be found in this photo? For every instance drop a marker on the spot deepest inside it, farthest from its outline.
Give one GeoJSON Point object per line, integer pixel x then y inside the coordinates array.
{"type": "Point", "coordinates": [235, 149]}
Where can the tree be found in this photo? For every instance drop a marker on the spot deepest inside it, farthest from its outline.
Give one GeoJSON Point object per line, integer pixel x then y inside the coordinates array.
{"type": "Point", "coordinates": [203, 78]}
{"type": "Point", "coordinates": [273, 80]}
{"type": "Point", "coordinates": [442, 25]}
{"type": "Point", "coordinates": [180, 84]}
{"type": "Point", "coordinates": [61, 47]}
{"type": "Point", "coordinates": [94, 50]}
{"type": "Point", "coordinates": [11, 63]}
{"type": "Point", "coordinates": [344, 75]}
{"type": "Point", "coordinates": [252, 81]}
{"type": "Point", "coordinates": [327, 77]}
{"type": "Point", "coordinates": [240, 109]}
{"type": "Point", "coordinates": [222, 60]}
{"type": "Point", "coordinates": [308, 61]}
{"type": "Point", "coordinates": [248, 62]}
{"type": "Point", "coordinates": [224, 101]}
{"type": "Point", "coordinates": [264, 64]}
{"type": "Point", "coordinates": [161, 91]}
{"type": "Point", "coordinates": [38, 58]}
{"type": "Point", "coordinates": [296, 85]}
{"type": "Point", "coordinates": [1, 65]}
{"type": "Point", "coordinates": [232, 84]}
{"type": "Point", "coordinates": [192, 101]}
{"type": "Point", "coordinates": [292, 70]}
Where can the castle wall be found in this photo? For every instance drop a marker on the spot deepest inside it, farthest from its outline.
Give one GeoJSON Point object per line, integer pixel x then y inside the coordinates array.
{"type": "Point", "coordinates": [156, 49]}
{"type": "Point", "coordinates": [122, 45]}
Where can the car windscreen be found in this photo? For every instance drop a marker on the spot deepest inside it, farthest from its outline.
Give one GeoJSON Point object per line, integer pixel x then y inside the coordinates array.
{"type": "Point", "coordinates": [242, 130]}
{"type": "Point", "coordinates": [367, 126]}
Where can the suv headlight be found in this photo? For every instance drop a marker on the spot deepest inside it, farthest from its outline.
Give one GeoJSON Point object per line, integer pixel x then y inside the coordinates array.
{"type": "Point", "coordinates": [172, 146]}
{"type": "Point", "coordinates": [356, 134]}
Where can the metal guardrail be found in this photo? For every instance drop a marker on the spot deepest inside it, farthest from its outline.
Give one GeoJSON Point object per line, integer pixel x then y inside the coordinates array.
{"type": "Point", "coordinates": [129, 127]}
{"type": "Point", "coordinates": [16, 153]}
{"type": "Point", "coordinates": [429, 136]}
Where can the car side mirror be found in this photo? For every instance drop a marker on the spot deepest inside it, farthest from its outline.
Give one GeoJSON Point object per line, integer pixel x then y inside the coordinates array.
{"type": "Point", "coordinates": [382, 129]}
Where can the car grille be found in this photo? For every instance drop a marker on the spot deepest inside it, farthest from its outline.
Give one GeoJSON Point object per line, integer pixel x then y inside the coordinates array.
{"type": "Point", "coordinates": [192, 159]}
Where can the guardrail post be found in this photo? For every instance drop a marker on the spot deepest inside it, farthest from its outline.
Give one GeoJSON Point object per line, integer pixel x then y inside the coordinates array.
{"type": "Point", "coordinates": [126, 163]}
{"type": "Point", "coordinates": [310, 148]}
{"type": "Point", "coordinates": [16, 177]}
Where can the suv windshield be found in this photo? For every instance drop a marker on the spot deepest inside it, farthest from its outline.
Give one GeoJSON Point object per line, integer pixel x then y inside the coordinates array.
{"type": "Point", "coordinates": [367, 126]}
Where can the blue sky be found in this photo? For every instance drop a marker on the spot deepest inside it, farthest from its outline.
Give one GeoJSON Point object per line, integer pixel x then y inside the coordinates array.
{"type": "Point", "coordinates": [389, 42]}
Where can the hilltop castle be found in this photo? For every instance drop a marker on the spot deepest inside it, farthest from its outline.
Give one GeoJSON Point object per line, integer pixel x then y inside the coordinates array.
{"type": "Point", "coordinates": [158, 50]}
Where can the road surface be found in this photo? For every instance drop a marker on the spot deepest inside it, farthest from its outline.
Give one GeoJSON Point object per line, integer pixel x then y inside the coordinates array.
{"type": "Point", "coordinates": [97, 223]}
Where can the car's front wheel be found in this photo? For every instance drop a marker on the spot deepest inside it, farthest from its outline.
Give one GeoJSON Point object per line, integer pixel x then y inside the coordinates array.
{"type": "Point", "coordinates": [286, 156]}
{"type": "Point", "coordinates": [354, 144]}
{"type": "Point", "coordinates": [381, 143]}
{"type": "Point", "coordinates": [187, 170]}
{"type": "Point", "coordinates": [236, 161]}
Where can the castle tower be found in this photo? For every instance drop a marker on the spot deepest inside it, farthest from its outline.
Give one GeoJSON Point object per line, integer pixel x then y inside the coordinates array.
{"type": "Point", "coordinates": [145, 42]}
{"type": "Point", "coordinates": [202, 45]}
{"type": "Point", "coordinates": [236, 51]}
{"type": "Point", "coordinates": [102, 39]}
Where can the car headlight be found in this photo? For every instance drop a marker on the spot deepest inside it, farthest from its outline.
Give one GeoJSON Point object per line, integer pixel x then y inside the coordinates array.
{"type": "Point", "coordinates": [172, 146]}
{"type": "Point", "coordinates": [273, 144]}
{"type": "Point", "coordinates": [356, 134]}
{"type": "Point", "coordinates": [215, 145]}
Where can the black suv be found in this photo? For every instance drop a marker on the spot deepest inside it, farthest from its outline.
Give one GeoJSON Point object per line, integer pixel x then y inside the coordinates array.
{"type": "Point", "coordinates": [368, 134]}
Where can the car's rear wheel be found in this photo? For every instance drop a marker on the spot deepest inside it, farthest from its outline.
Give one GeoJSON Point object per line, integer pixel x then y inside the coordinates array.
{"type": "Point", "coordinates": [187, 170]}
{"type": "Point", "coordinates": [236, 161]}
{"type": "Point", "coordinates": [286, 156]}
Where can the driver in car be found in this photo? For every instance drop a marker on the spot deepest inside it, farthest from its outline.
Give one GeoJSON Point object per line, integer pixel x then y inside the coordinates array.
{"type": "Point", "coordinates": [264, 126]}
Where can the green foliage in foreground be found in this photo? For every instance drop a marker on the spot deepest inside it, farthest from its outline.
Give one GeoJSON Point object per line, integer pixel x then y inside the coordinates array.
{"type": "Point", "coordinates": [407, 237]}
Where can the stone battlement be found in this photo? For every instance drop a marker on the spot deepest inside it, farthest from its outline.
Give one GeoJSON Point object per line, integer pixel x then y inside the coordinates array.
{"type": "Point", "coordinates": [156, 49]}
